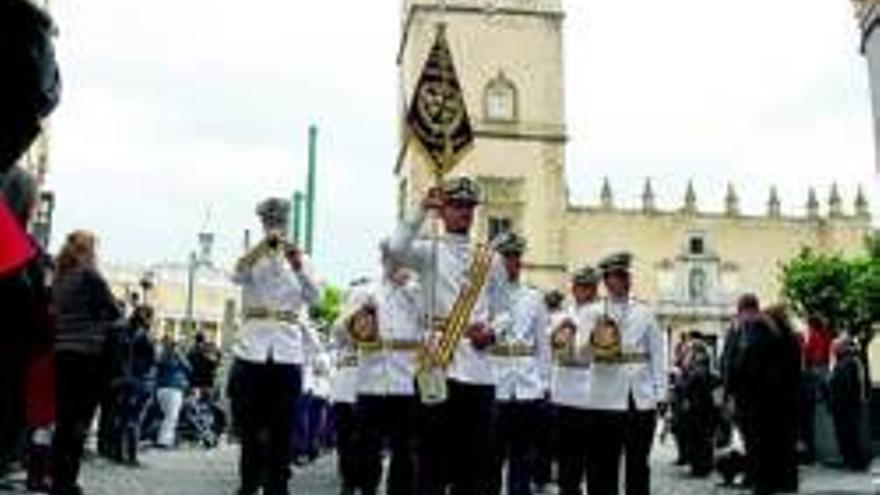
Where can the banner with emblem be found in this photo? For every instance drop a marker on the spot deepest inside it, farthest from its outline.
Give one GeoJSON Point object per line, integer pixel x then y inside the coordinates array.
{"type": "Point", "coordinates": [437, 116]}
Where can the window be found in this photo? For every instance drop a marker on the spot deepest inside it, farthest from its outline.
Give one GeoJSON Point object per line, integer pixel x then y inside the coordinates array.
{"type": "Point", "coordinates": [498, 226]}
{"type": "Point", "coordinates": [501, 99]}
{"type": "Point", "coordinates": [697, 245]}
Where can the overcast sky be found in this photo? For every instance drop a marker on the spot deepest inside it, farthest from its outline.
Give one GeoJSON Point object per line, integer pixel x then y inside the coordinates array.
{"type": "Point", "coordinates": [178, 114]}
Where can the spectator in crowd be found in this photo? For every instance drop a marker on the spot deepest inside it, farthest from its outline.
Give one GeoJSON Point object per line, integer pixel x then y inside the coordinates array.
{"type": "Point", "coordinates": [765, 379]}
{"type": "Point", "coordinates": [678, 424]}
{"type": "Point", "coordinates": [85, 311]}
{"type": "Point", "coordinates": [26, 349]}
{"type": "Point", "coordinates": [133, 384]}
{"type": "Point", "coordinates": [172, 382]}
{"type": "Point", "coordinates": [204, 357]}
{"type": "Point", "coordinates": [817, 358]}
{"type": "Point", "coordinates": [30, 91]}
{"type": "Point", "coordinates": [699, 415]}
{"type": "Point", "coordinates": [849, 401]}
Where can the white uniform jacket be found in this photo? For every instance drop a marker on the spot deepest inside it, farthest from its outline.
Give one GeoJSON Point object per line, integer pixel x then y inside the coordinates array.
{"type": "Point", "coordinates": [389, 369]}
{"type": "Point", "coordinates": [522, 348]}
{"type": "Point", "coordinates": [445, 280]}
{"type": "Point", "coordinates": [645, 381]}
{"type": "Point", "coordinates": [344, 384]}
{"type": "Point", "coordinates": [572, 373]}
{"type": "Point", "coordinates": [320, 372]}
{"type": "Point", "coordinates": [270, 285]}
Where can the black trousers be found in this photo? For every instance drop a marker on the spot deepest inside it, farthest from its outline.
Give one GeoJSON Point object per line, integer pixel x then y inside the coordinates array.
{"type": "Point", "coordinates": [545, 443]}
{"type": "Point", "coordinates": [347, 450]}
{"type": "Point", "coordinates": [574, 441]}
{"type": "Point", "coordinates": [263, 399]}
{"type": "Point", "coordinates": [455, 449]}
{"type": "Point", "coordinates": [11, 401]}
{"type": "Point", "coordinates": [614, 433]}
{"type": "Point", "coordinates": [388, 420]}
{"type": "Point", "coordinates": [80, 384]}
{"type": "Point", "coordinates": [516, 430]}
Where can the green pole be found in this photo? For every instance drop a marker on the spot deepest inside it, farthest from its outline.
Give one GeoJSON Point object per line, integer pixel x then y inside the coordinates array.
{"type": "Point", "coordinates": [310, 199]}
{"type": "Point", "coordinates": [298, 200]}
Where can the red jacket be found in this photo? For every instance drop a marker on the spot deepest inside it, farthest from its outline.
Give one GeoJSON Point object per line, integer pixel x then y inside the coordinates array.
{"type": "Point", "coordinates": [16, 248]}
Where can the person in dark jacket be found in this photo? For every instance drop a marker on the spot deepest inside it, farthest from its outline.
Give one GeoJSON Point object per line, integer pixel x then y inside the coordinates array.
{"type": "Point", "coordinates": [204, 357]}
{"type": "Point", "coordinates": [133, 384]}
{"type": "Point", "coordinates": [849, 398]}
{"type": "Point", "coordinates": [86, 309]}
{"type": "Point", "coordinates": [699, 413]}
{"type": "Point", "coordinates": [30, 91]}
{"type": "Point", "coordinates": [765, 383]}
{"type": "Point", "coordinates": [26, 356]}
{"type": "Point", "coordinates": [172, 382]}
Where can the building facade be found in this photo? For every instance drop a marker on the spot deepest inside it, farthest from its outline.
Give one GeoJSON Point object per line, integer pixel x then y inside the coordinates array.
{"type": "Point", "coordinates": [868, 15]}
{"type": "Point", "coordinates": [166, 287]}
{"type": "Point", "coordinates": [690, 264]}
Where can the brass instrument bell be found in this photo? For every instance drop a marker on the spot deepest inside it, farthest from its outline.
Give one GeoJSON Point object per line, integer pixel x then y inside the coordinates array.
{"type": "Point", "coordinates": [364, 325]}
{"type": "Point", "coordinates": [605, 341]}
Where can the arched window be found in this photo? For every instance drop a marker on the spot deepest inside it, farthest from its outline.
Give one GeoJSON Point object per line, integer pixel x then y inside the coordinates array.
{"type": "Point", "coordinates": [501, 104]}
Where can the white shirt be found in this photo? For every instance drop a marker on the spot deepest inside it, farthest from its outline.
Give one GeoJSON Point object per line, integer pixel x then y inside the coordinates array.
{"type": "Point", "coordinates": [392, 372]}
{"type": "Point", "coordinates": [613, 384]}
{"type": "Point", "coordinates": [453, 262]}
{"type": "Point", "coordinates": [523, 377]}
{"type": "Point", "coordinates": [345, 362]}
{"type": "Point", "coordinates": [570, 385]}
{"type": "Point", "coordinates": [271, 284]}
{"type": "Point", "coordinates": [319, 371]}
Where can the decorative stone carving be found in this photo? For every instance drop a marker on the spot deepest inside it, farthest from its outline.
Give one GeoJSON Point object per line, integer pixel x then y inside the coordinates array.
{"type": "Point", "coordinates": [731, 201]}
{"type": "Point", "coordinates": [607, 195]}
{"type": "Point", "coordinates": [835, 204]}
{"type": "Point", "coordinates": [649, 199]}
{"type": "Point", "coordinates": [774, 206]}
{"type": "Point", "coordinates": [690, 198]}
{"type": "Point", "coordinates": [812, 204]}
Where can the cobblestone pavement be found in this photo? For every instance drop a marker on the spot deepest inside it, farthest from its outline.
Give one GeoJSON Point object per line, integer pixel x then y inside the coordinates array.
{"type": "Point", "coordinates": [191, 471]}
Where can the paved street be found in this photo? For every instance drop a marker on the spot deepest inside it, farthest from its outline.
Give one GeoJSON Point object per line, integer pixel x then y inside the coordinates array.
{"type": "Point", "coordinates": [197, 472]}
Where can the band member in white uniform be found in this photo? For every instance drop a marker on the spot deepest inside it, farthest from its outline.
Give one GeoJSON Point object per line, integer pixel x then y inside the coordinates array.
{"type": "Point", "coordinates": [570, 391]}
{"type": "Point", "coordinates": [344, 396]}
{"type": "Point", "coordinates": [522, 369]}
{"type": "Point", "coordinates": [627, 388]}
{"type": "Point", "coordinates": [456, 435]}
{"type": "Point", "coordinates": [387, 402]}
{"type": "Point", "coordinates": [269, 351]}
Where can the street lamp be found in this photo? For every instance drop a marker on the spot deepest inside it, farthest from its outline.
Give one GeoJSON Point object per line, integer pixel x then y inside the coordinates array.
{"type": "Point", "coordinates": [206, 242]}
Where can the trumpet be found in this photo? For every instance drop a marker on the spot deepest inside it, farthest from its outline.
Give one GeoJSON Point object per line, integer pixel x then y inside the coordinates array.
{"type": "Point", "coordinates": [273, 243]}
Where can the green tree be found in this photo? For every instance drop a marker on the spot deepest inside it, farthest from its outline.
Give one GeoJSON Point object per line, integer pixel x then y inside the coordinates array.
{"type": "Point", "coordinates": [328, 308]}
{"type": "Point", "coordinates": [818, 285]}
{"type": "Point", "coordinates": [845, 292]}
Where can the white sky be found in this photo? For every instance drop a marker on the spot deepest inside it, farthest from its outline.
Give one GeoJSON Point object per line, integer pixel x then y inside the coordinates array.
{"type": "Point", "coordinates": [173, 108]}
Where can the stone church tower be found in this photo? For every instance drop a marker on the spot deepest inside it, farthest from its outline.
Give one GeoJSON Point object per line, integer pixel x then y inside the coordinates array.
{"type": "Point", "coordinates": [508, 54]}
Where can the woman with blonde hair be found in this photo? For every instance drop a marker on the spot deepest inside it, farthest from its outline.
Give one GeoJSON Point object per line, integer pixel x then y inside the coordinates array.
{"type": "Point", "coordinates": [85, 311]}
